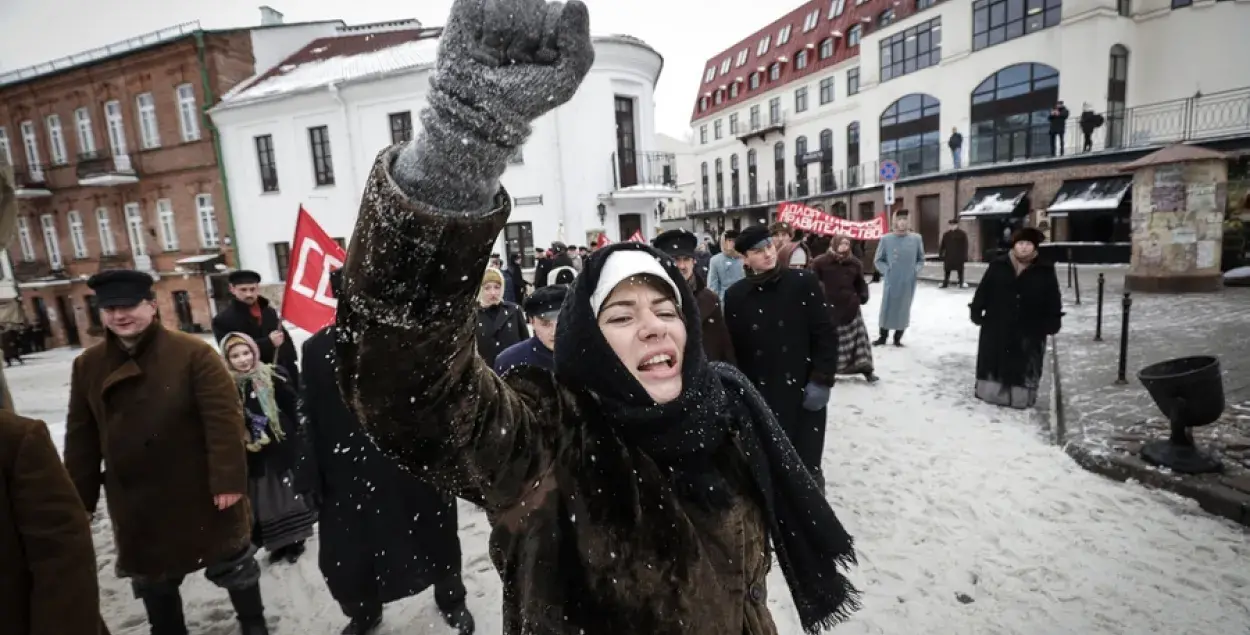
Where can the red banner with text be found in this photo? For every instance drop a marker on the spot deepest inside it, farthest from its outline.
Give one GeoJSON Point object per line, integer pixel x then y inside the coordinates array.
{"type": "Point", "coordinates": [810, 219]}
{"type": "Point", "coordinates": [308, 302]}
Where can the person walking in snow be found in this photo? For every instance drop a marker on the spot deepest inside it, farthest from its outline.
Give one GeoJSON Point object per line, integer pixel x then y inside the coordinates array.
{"type": "Point", "coordinates": [638, 477]}
{"type": "Point", "coordinates": [282, 518]}
{"type": "Point", "coordinates": [384, 535]}
{"type": "Point", "coordinates": [1017, 305]}
{"type": "Point", "coordinates": [250, 313]}
{"type": "Point", "coordinates": [681, 245]}
{"type": "Point", "coordinates": [953, 250]}
{"type": "Point", "coordinates": [841, 276]}
{"type": "Point", "coordinates": [725, 268]}
{"type": "Point", "coordinates": [543, 310]}
{"type": "Point", "coordinates": [785, 342]}
{"type": "Point", "coordinates": [47, 560]}
{"type": "Point", "coordinates": [900, 258]}
{"type": "Point", "coordinates": [499, 323]}
{"type": "Point", "coordinates": [159, 411]}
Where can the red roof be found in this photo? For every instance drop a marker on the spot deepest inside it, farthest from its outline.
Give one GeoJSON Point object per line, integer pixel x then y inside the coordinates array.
{"type": "Point", "coordinates": [852, 14]}
{"type": "Point", "coordinates": [345, 45]}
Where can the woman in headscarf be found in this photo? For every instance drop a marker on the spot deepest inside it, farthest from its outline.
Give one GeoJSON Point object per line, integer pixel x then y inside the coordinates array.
{"type": "Point", "coordinates": [841, 275]}
{"type": "Point", "coordinates": [1017, 305]}
{"type": "Point", "coordinates": [282, 517]}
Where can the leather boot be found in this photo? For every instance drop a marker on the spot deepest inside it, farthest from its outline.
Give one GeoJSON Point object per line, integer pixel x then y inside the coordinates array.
{"type": "Point", "coordinates": [898, 337]}
{"type": "Point", "coordinates": [165, 612]}
{"type": "Point", "coordinates": [250, 610]}
{"type": "Point", "coordinates": [880, 341]}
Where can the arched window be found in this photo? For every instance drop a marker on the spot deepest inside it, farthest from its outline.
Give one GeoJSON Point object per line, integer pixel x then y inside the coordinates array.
{"type": "Point", "coordinates": [1117, 95]}
{"type": "Point", "coordinates": [735, 196]}
{"type": "Point", "coordinates": [1011, 113]}
{"type": "Point", "coordinates": [720, 183]}
{"type": "Point", "coordinates": [910, 134]}
{"type": "Point", "coordinates": [826, 161]}
{"type": "Point", "coordinates": [852, 155]}
{"type": "Point", "coordinates": [774, 72]}
{"type": "Point", "coordinates": [755, 81]}
{"type": "Point", "coordinates": [800, 166]}
{"type": "Point", "coordinates": [753, 190]}
{"type": "Point", "coordinates": [839, 210]}
{"type": "Point", "coordinates": [779, 171]}
{"type": "Point", "coordinates": [707, 199]}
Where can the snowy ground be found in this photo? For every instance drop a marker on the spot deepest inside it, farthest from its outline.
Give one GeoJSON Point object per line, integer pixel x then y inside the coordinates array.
{"type": "Point", "coordinates": [946, 497]}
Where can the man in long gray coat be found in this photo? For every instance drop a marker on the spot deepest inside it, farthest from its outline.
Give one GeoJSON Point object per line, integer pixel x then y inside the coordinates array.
{"type": "Point", "coordinates": [900, 257]}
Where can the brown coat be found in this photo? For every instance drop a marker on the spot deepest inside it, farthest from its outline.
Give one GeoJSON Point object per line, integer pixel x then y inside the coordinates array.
{"type": "Point", "coordinates": [844, 285]}
{"type": "Point", "coordinates": [587, 534]}
{"type": "Point", "coordinates": [716, 343]}
{"type": "Point", "coordinates": [47, 562]}
{"type": "Point", "coordinates": [166, 420]}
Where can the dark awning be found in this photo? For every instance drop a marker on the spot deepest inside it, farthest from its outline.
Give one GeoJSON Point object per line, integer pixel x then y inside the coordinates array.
{"type": "Point", "coordinates": [997, 202]}
{"type": "Point", "coordinates": [1090, 195]}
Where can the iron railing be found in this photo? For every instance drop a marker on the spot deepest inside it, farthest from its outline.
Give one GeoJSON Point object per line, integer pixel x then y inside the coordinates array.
{"type": "Point", "coordinates": [100, 163]}
{"type": "Point", "coordinates": [30, 177]}
{"type": "Point", "coordinates": [643, 168]}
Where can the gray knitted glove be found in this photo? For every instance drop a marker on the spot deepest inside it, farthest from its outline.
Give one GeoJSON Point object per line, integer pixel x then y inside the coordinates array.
{"type": "Point", "coordinates": [501, 64]}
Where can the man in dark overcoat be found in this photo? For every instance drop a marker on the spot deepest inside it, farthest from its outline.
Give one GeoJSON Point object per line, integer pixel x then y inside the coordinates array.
{"type": "Point", "coordinates": [785, 341]}
{"type": "Point", "coordinates": [384, 534]}
{"type": "Point", "coordinates": [249, 312]}
{"type": "Point", "coordinates": [682, 246]}
{"type": "Point", "coordinates": [160, 411]}
{"type": "Point", "coordinates": [953, 250]}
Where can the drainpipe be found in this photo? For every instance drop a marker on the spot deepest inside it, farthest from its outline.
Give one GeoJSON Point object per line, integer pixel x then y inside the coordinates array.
{"type": "Point", "coordinates": [564, 201]}
{"type": "Point", "coordinates": [209, 98]}
{"type": "Point", "coordinates": [347, 129]}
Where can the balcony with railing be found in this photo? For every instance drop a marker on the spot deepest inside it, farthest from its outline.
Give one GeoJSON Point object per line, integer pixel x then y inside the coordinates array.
{"type": "Point", "coordinates": [31, 181]}
{"type": "Point", "coordinates": [102, 169]}
{"type": "Point", "coordinates": [643, 171]}
{"type": "Point", "coordinates": [762, 127]}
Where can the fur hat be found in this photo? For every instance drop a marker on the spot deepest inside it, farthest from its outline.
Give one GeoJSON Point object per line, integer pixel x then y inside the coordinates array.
{"type": "Point", "coordinates": [1028, 234]}
{"type": "Point", "coordinates": [492, 275]}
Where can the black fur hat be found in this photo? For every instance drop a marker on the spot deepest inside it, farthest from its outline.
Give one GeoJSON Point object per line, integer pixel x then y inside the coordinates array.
{"type": "Point", "coordinates": [1028, 234]}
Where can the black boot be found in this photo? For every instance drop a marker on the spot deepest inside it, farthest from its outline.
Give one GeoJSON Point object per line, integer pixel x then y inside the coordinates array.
{"type": "Point", "coordinates": [363, 624]}
{"type": "Point", "coordinates": [880, 341]}
{"type": "Point", "coordinates": [165, 612]}
{"type": "Point", "coordinates": [871, 377]}
{"type": "Point", "coordinates": [898, 337]}
{"type": "Point", "coordinates": [460, 619]}
{"type": "Point", "coordinates": [250, 610]}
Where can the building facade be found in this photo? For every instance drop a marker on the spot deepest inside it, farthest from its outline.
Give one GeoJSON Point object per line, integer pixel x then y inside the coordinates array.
{"type": "Point", "coordinates": [116, 167]}
{"type": "Point", "coordinates": [307, 133]}
{"type": "Point", "coordinates": [811, 106]}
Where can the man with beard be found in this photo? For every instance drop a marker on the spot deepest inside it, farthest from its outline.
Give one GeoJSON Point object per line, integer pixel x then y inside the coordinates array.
{"type": "Point", "coordinates": [900, 258]}
{"type": "Point", "coordinates": [384, 534]}
{"type": "Point", "coordinates": [682, 246]}
{"type": "Point", "coordinates": [160, 411]}
{"type": "Point", "coordinates": [543, 310]}
{"type": "Point", "coordinates": [250, 313]}
{"type": "Point", "coordinates": [785, 342]}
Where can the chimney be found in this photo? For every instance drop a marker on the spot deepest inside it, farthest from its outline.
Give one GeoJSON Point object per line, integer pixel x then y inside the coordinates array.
{"type": "Point", "coordinates": [269, 16]}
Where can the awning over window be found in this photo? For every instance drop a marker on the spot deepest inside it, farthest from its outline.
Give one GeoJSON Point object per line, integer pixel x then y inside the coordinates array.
{"type": "Point", "coordinates": [1087, 195]}
{"type": "Point", "coordinates": [997, 202]}
{"type": "Point", "coordinates": [197, 260]}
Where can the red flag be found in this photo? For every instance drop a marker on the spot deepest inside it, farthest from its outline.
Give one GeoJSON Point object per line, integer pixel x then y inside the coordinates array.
{"type": "Point", "coordinates": [637, 237]}
{"type": "Point", "coordinates": [603, 241]}
{"type": "Point", "coordinates": [307, 302]}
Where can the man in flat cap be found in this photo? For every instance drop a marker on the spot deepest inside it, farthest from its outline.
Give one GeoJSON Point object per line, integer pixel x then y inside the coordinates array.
{"type": "Point", "coordinates": [249, 312]}
{"type": "Point", "coordinates": [682, 246]}
{"type": "Point", "coordinates": [543, 310]}
{"type": "Point", "coordinates": [160, 411]}
{"type": "Point", "coordinates": [785, 341]}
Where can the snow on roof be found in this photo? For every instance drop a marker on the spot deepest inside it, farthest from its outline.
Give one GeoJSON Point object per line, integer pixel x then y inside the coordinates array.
{"type": "Point", "coordinates": [995, 201]}
{"type": "Point", "coordinates": [1090, 194]}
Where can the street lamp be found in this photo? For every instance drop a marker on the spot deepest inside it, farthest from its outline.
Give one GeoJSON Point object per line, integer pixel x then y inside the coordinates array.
{"type": "Point", "coordinates": [603, 213]}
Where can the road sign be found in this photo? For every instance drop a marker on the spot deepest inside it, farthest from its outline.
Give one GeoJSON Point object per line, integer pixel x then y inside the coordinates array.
{"type": "Point", "coordinates": [889, 193]}
{"type": "Point", "coordinates": [888, 171]}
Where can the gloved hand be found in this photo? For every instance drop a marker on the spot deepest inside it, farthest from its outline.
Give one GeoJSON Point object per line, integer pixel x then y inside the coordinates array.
{"type": "Point", "coordinates": [977, 317]}
{"type": "Point", "coordinates": [815, 396]}
{"type": "Point", "coordinates": [501, 64]}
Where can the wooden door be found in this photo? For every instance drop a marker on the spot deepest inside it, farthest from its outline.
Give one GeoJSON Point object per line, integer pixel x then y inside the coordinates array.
{"type": "Point", "coordinates": [626, 149]}
{"type": "Point", "coordinates": [629, 225]}
{"type": "Point", "coordinates": [929, 224]}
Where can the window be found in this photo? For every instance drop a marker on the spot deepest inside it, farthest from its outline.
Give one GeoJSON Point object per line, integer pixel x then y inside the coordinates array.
{"type": "Point", "coordinates": [1011, 114]}
{"type": "Point", "coordinates": [800, 166]}
{"type": "Point", "coordinates": [997, 21]}
{"type": "Point", "coordinates": [51, 242]}
{"type": "Point", "coordinates": [774, 72]}
{"type": "Point", "coordinates": [753, 192]}
{"type": "Point", "coordinates": [86, 136]}
{"type": "Point", "coordinates": [910, 135]}
{"type": "Point", "coordinates": [774, 111]}
{"type": "Point", "coordinates": [812, 19]}
{"type": "Point", "coordinates": [718, 129]}
{"type": "Point", "coordinates": [108, 247]}
{"type": "Point", "coordinates": [1124, 8]}
{"type": "Point", "coordinates": [281, 259]}
{"type": "Point", "coordinates": [707, 197]}
{"type": "Point", "coordinates": [724, 67]}
{"type": "Point", "coordinates": [763, 47]}
{"type": "Point", "coordinates": [826, 161]}
{"type": "Point", "coordinates": [783, 37]}
{"type": "Point", "coordinates": [925, 4]}
{"type": "Point", "coordinates": [1180, 4]}
{"type": "Point", "coordinates": [720, 183]}
{"type": "Point", "coordinates": [709, 75]}
{"type": "Point", "coordinates": [703, 134]}
{"type": "Point", "coordinates": [56, 140]}
{"type": "Point", "coordinates": [755, 81]}
{"type": "Point", "coordinates": [779, 170]}
{"type": "Point", "coordinates": [1117, 94]}
{"type": "Point", "coordinates": [323, 163]}
{"type": "Point", "coordinates": [267, 163]}
{"type": "Point", "coordinates": [885, 18]}
{"type": "Point", "coordinates": [911, 50]}
{"type": "Point", "coordinates": [826, 91]}
{"type": "Point", "coordinates": [755, 117]}
{"type": "Point", "coordinates": [169, 227]}
{"type": "Point", "coordinates": [206, 217]}
{"type": "Point", "coordinates": [733, 123]}
{"type": "Point", "coordinates": [742, 57]}
{"type": "Point", "coordinates": [31, 143]}
{"type": "Point", "coordinates": [733, 90]}
{"type": "Point", "coordinates": [836, 7]}
{"type": "Point", "coordinates": [852, 81]}
{"type": "Point", "coordinates": [703, 103]}
{"type": "Point", "coordinates": [5, 150]}
{"type": "Point", "coordinates": [800, 99]}
{"type": "Point", "coordinates": [852, 154]}
{"type": "Point", "coordinates": [719, 97]}
{"type": "Point", "coordinates": [735, 198]}
{"type": "Point", "coordinates": [24, 239]}
{"type": "Point", "coordinates": [800, 60]}
{"type": "Point", "coordinates": [856, 32]}
{"type": "Point", "coordinates": [134, 229]}
{"type": "Point", "coordinates": [826, 48]}
{"type": "Point", "coordinates": [116, 127]}
{"type": "Point", "coordinates": [77, 236]}
{"type": "Point", "coordinates": [188, 113]}
{"type": "Point", "coordinates": [401, 126]}
{"type": "Point", "coordinates": [149, 130]}
{"type": "Point", "coordinates": [519, 239]}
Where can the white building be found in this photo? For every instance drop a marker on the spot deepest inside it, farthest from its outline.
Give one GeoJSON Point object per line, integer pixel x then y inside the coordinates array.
{"type": "Point", "coordinates": [677, 208]}
{"type": "Point", "coordinates": [307, 133]}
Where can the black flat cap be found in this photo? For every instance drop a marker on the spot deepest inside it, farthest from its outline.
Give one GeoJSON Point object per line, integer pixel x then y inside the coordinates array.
{"type": "Point", "coordinates": [243, 276]}
{"type": "Point", "coordinates": [121, 288]}
{"type": "Point", "coordinates": [751, 236]}
{"type": "Point", "coordinates": [677, 243]}
{"type": "Point", "coordinates": [545, 302]}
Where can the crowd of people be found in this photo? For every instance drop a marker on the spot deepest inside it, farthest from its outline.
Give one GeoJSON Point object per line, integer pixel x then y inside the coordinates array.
{"type": "Point", "coordinates": [643, 424]}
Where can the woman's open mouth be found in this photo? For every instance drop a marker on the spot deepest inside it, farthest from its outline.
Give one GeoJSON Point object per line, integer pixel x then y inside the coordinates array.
{"type": "Point", "coordinates": [659, 365]}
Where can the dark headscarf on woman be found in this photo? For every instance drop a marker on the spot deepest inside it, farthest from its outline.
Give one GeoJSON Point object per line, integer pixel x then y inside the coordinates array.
{"type": "Point", "coordinates": [685, 434]}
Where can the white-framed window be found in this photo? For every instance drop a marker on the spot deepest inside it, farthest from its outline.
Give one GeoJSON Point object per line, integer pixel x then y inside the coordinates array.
{"type": "Point", "coordinates": [812, 19]}
{"type": "Point", "coordinates": [108, 247]}
{"type": "Point", "coordinates": [56, 140]}
{"type": "Point", "coordinates": [742, 57]}
{"type": "Point", "coordinates": [853, 36]}
{"type": "Point", "coordinates": [800, 60]}
{"type": "Point", "coordinates": [5, 150]}
{"type": "Point", "coordinates": [764, 44]}
{"type": "Point", "coordinates": [207, 218]}
{"type": "Point", "coordinates": [724, 66]}
{"type": "Point", "coordinates": [188, 112]}
{"type": "Point", "coordinates": [784, 36]}
{"type": "Point", "coordinates": [24, 239]}
{"type": "Point", "coordinates": [51, 242]}
{"type": "Point", "coordinates": [77, 235]}
{"type": "Point", "coordinates": [826, 48]}
{"type": "Point", "coordinates": [86, 136]}
{"type": "Point", "coordinates": [116, 127]}
{"type": "Point", "coordinates": [30, 141]}
{"type": "Point", "coordinates": [169, 226]}
{"type": "Point", "coordinates": [149, 130]}
{"type": "Point", "coordinates": [134, 229]}
{"type": "Point", "coordinates": [836, 7]}
{"type": "Point", "coordinates": [709, 75]}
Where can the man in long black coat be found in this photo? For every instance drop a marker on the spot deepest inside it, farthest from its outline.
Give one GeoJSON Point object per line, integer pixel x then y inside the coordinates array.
{"type": "Point", "coordinates": [384, 534]}
{"type": "Point", "coordinates": [953, 250]}
{"type": "Point", "coordinates": [785, 341]}
{"type": "Point", "coordinates": [250, 313]}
